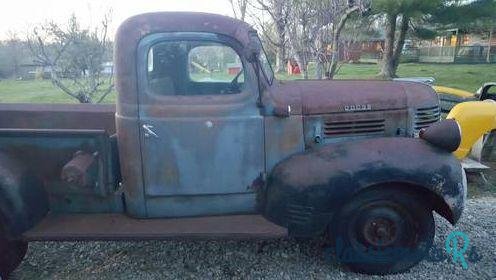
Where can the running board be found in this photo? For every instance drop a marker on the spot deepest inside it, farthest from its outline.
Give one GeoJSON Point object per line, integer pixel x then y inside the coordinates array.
{"type": "Point", "coordinates": [80, 227]}
{"type": "Point", "coordinates": [473, 166]}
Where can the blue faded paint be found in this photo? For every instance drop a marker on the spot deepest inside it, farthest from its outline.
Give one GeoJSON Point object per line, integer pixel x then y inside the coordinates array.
{"type": "Point", "coordinates": [205, 157]}
{"type": "Point", "coordinates": [283, 138]}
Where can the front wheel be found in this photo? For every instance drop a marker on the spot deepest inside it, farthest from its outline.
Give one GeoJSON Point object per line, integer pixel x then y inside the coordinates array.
{"type": "Point", "coordinates": [11, 254]}
{"type": "Point", "coordinates": [383, 232]}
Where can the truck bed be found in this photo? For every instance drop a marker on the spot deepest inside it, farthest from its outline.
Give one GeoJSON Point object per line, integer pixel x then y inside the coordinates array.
{"type": "Point", "coordinates": [46, 137]}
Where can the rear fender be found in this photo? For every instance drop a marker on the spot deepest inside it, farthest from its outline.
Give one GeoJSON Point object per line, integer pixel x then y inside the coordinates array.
{"type": "Point", "coordinates": [23, 201]}
{"type": "Point", "coordinates": [305, 191]}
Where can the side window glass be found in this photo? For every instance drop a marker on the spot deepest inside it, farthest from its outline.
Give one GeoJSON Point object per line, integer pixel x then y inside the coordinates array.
{"type": "Point", "coordinates": [194, 68]}
{"type": "Point", "coordinates": [490, 92]}
{"type": "Point", "coordinates": [215, 64]}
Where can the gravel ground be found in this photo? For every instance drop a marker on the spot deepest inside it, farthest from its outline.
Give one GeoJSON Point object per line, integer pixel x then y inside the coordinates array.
{"type": "Point", "coordinates": [278, 259]}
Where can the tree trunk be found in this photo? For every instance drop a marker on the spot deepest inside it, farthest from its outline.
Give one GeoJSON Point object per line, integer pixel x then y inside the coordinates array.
{"type": "Point", "coordinates": [320, 56]}
{"type": "Point", "coordinates": [242, 9]}
{"type": "Point", "coordinates": [387, 70]}
{"type": "Point", "coordinates": [405, 24]}
{"type": "Point", "coordinates": [279, 62]}
{"type": "Point", "coordinates": [281, 48]}
{"type": "Point", "coordinates": [301, 61]}
{"type": "Point", "coordinates": [335, 40]}
{"type": "Point", "coordinates": [488, 58]}
{"type": "Point", "coordinates": [319, 71]}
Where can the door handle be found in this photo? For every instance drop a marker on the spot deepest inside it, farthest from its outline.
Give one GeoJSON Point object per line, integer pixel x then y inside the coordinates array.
{"type": "Point", "coordinates": [149, 132]}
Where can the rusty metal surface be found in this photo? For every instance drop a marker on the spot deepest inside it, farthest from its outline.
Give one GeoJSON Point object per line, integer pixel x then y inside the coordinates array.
{"type": "Point", "coordinates": [44, 152]}
{"type": "Point", "coordinates": [187, 155]}
{"type": "Point", "coordinates": [208, 149]}
{"type": "Point", "coordinates": [77, 170]}
{"type": "Point", "coordinates": [206, 145]}
{"type": "Point", "coordinates": [311, 97]}
{"type": "Point", "coordinates": [333, 128]}
{"type": "Point", "coordinates": [283, 138]}
{"type": "Point", "coordinates": [121, 227]}
{"type": "Point", "coordinates": [446, 135]}
{"type": "Point", "coordinates": [304, 191]}
{"type": "Point", "coordinates": [58, 116]}
{"type": "Point", "coordinates": [134, 29]}
{"type": "Point", "coordinates": [23, 200]}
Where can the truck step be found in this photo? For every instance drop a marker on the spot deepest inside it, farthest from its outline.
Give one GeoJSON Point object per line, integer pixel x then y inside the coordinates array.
{"type": "Point", "coordinates": [473, 166]}
{"type": "Point", "coordinates": [81, 227]}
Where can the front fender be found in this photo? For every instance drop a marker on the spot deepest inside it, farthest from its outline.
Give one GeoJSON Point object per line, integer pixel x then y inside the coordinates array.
{"type": "Point", "coordinates": [476, 119]}
{"type": "Point", "coordinates": [304, 191]}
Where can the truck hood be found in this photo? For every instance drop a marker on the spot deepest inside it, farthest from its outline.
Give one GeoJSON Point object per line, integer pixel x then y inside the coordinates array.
{"type": "Point", "coordinates": [312, 97]}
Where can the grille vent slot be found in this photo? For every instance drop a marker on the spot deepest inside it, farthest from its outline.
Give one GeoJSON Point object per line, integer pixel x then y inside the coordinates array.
{"type": "Point", "coordinates": [298, 214]}
{"type": "Point", "coordinates": [354, 128]}
{"type": "Point", "coordinates": [425, 117]}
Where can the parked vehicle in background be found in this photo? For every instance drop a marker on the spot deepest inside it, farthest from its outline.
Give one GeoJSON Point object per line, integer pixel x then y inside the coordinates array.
{"type": "Point", "coordinates": [205, 143]}
{"type": "Point", "coordinates": [477, 120]}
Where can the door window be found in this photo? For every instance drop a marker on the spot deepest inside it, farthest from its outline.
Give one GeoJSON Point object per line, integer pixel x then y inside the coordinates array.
{"type": "Point", "coordinates": [194, 68]}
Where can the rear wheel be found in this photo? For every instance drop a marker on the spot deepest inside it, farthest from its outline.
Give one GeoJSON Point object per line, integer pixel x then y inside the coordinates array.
{"type": "Point", "coordinates": [383, 232]}
{"type": "Point", "coordinates": [11, 254]}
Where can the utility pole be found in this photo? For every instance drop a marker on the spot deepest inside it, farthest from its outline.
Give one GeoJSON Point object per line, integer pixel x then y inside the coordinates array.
{"type": "Point", "coordinates": [489, 44]}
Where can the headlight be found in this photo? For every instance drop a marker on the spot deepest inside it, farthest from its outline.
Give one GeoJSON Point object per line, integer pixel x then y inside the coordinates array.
{"type": "Point", "coordinates": [446, 135]}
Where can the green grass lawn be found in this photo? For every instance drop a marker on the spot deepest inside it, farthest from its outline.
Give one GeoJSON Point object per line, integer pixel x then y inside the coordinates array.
{"type": "Point", "coordinates": [34, 91]}
{"type": "Point", "coordinates": [467, 77]}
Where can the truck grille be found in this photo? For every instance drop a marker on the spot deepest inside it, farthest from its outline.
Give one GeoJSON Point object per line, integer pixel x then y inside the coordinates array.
{"type": "Point", "coordinates": [425, 117]}
{"type": "Point", "coordinates": [353, 128]}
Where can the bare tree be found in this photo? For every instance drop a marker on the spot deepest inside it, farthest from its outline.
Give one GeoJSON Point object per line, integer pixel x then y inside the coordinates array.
{"type": "Point", "coordinates": [340, 18]}
{"type": "Point", "coordinates": [358, 29]}
{"type": "Point", "coordinates": [315, 23]}
{"type": "Point", "coordinates": [301, 32]}
{"type": "Point", "coordinates": [274, 32]}
{"type": "Point", "coordinates": [75, 57]}
{"type": "Point", "coordinates": [239, 8]}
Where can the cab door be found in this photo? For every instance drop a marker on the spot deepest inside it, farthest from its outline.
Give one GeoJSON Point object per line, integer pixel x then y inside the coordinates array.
{"type": "Point", "coordinates": [201, 131]}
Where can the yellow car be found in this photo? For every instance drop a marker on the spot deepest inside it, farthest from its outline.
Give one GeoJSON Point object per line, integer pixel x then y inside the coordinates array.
{"type": "Point", "coordinates": [450, 97]}
{"type": "Point", "coordinates": [477, 120]}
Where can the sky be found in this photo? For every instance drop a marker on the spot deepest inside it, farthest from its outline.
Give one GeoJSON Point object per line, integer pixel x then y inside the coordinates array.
{"type": "Point", "coordinates": [22, 15]}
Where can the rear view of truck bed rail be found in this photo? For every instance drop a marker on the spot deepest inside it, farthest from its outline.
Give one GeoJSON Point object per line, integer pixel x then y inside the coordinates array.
{"type": "Point", "coordinates": [58, 116]}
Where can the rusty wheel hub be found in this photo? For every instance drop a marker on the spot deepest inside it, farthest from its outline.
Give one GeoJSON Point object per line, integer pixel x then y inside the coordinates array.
{"type": "Point", "coordinates": [380, 231]}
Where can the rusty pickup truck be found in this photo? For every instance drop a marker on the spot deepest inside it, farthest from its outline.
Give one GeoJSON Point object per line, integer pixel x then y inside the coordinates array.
{"type": "Point", "coordinates": [204, 142]}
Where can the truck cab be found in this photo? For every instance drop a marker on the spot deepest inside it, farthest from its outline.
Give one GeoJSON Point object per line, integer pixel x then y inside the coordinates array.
{"type": "Point", "coordinates": [206, 143]}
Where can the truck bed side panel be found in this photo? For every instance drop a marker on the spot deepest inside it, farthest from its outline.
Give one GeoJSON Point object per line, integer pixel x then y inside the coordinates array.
{"type": "Point", "coordinates": [47, 137]}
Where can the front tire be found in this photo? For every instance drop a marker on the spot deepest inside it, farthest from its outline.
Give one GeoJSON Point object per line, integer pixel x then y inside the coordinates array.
{"type": "Point", "coordinates": [11, 254]}
{"type": "Point", "coordinates": [383, 232]}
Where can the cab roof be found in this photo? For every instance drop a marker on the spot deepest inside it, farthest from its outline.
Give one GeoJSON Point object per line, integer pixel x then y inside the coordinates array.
{"type": "Point", "coordinates": [135, 28]}
{"type": "Point", "coordinates": [141, 25]}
